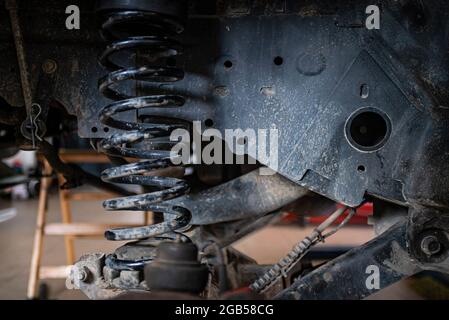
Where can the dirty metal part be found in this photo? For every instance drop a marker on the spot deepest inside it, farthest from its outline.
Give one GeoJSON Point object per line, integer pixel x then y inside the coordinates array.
{"type": "Point", "coordinates": [318, 88]}
{"type": "Point", "coordinates": [222, 272]}
{"type": "Point", "coordinates": [318, 234]}
{"type": "Point", "coordinates": [169, 8]}
{"type": "Point", "coordinates": [31, 128]}
{"type": "Point", "coordinates": [385, 215]}
{"type": "Point", "coordinates": [418, 241]}
{"type": "Point", "coordinates": [110, 274]}
{"type": "Point", "coordinates": [430, 245]}
{"type": "Point", "coordinates": [124, 268]}
{"type": "Point", "coordinates": [82, 274]}
{"type": "Point", "coordinates": [10, 115]}
{"type": "Point", "coordinates": [327, 90]}
{"type": "Point", "coordinates": [11, 6]}
{"type": "Point", "coordinates": [251, 195]}
{"type": "Point", "coordinates": [129, 279]}
{"type": "Point", "coordinates": [138, 251]}
{"type": "Point", "coordinates": [346, 277]}
{"type": "Point", "coordinates": [87, 276]}
{"type": "Point", "coordinates": [176, 268]}
{"type": "Point", "coordinates": [428, 234]}
{"type": "Point", "coordinates": [231, 263]}
{"type": "Point", "coordinates": [49, 66]}
{"type": "Point", "coordinates": [214, 242]}
{"type": "Point", "coordinates": [133, 256]}
{"type": "Point", "coordinates": [133, 28]}
{"type": "Point", "coordinates": [74, 175]}
{"type": "Point", "coordinates": [34, 128]}
{"type": "Point", "coordinates": [47, 81]}
{"type": "Point", "coordinates": [325, 97]}
{"type": "Point", "coordinates": [242, 270]}
{"type": "Point", "coordinates": [248, 273]}
{"type": "Point", "coordinates": [125, 283]}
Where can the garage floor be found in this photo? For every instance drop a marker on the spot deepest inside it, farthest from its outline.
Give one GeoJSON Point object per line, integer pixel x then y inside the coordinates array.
{"type": "Point", "coordinates": [16, 236]}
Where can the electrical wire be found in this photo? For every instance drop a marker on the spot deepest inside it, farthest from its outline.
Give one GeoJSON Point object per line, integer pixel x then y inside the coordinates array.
{"type": "Point", "coordinates": [282, 268]}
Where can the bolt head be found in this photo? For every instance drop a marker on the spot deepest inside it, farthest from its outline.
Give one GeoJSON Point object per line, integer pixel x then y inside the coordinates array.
{"type": "Point", "coordinates": [83, 274]}
{"type": "Point", "coordinates": [430, 245]}
{"type": "Point", "coordinates": [49, 66]}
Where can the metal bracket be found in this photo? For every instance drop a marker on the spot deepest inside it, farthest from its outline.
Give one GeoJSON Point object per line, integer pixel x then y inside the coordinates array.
{"type": "Point", "coordinates": [419, 242]}
{"type": "Point", "coordinates": [346, 277]}
{"type": "Point", "coordinates": [251, 195]}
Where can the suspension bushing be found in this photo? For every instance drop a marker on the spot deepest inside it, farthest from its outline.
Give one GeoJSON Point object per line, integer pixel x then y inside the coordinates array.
{"type": "Point", "coordinates": [176, 268]}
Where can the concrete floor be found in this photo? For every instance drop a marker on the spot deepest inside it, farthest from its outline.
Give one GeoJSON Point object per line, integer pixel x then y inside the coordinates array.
{"type": "Point", "coordinates": [16, 236]}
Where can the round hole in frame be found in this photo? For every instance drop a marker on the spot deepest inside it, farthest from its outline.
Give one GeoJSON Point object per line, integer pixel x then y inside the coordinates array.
{"type": "Point", "coordinates": [228, 64]}
{"type": "Point", "coordinates": [278, 60]}
{"type": "Point", "coordinates": [209, 122]}
{"type": "Point", "coordinates": [368, 129]}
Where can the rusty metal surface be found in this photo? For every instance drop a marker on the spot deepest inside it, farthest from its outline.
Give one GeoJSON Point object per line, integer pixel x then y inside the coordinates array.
{"type": "Point", "coordinates": [345, 277]}
{"type": "Point", "coordinates": [251, 195]}
{"type": "Point", "coordinates": [312, 94]}
{"type": "Point", "coordinates": [12, 7]}
{"type": "Point", "coordinates": [87, 275]}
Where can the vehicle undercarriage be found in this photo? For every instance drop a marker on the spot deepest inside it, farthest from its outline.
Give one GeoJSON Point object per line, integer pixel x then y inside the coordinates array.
{"type": "Point", "coordinates": [348, 114]}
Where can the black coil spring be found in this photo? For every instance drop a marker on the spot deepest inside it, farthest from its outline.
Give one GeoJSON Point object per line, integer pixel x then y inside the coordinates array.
{"type": "Point", "coordinates": [141, 140]}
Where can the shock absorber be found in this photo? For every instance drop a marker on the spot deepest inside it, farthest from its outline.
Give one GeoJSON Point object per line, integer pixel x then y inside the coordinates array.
{"type": "Point", "coordinates": [145, 30]}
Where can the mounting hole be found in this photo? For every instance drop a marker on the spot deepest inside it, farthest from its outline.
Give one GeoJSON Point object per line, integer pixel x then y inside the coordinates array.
{"type": "Point", "coordinates": [364, 91]}
{"type": "Point", "coordinates": [94, 129]}
{"type": "Point", "coordinates": [368, 129]}
{"type": "Point", "coordinates": [278, 61]}
{"type": "Point", "coordinates": [361, 168]}
{"type": "Point", "coordinates": [106, 129]}
{"type": "Point", "coordinates": [228, 64]}
{"type": "Point", "coordinates": [209, 122]}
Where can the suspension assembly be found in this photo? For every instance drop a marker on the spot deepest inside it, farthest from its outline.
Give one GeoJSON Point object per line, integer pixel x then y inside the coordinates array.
{"type": "Point", "coordinates": [143, 31]}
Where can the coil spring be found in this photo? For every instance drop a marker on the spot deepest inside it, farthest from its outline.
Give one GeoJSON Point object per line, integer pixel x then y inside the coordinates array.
{"type": "Point", "coordinates": [141, 140]}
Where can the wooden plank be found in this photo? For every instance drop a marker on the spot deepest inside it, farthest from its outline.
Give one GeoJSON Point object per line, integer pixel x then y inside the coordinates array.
{"type": "Point", "coordinates": [80, 229]}
{"type": "Point", "coordinates": [39, 233]}
{"type": "Point", "coordinates": [66, 215]}
{"type": "Point", "coordinates": [54, 272]}
{"type": "Point", "coordinates": [89, 196]}
{"type": "Point", "coordinates": [82, 156]}
{"type": "Point", "coordinates": [79, 156]}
